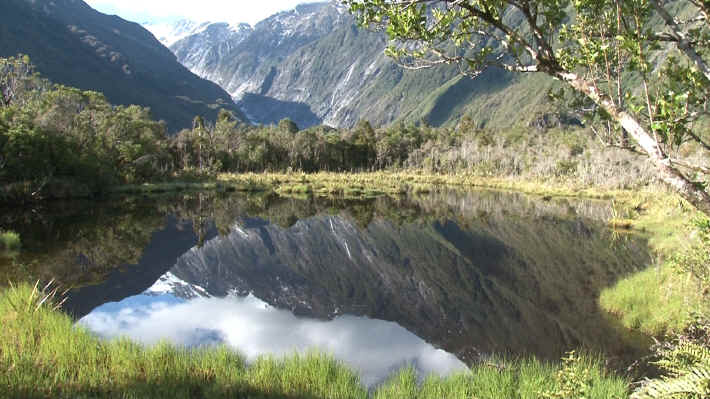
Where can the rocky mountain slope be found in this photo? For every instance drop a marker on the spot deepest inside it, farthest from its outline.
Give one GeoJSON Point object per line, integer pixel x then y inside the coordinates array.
{"type": "Point", "coordinates": [73, 44]}
{"type": "Point", "coordinates": [314, 65]}
{"type": "Point", "coordinates": [170, 32]}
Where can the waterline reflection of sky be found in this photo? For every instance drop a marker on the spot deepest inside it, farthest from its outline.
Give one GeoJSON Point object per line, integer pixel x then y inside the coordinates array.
{"type": "Point", "coordinates": [374, 348]}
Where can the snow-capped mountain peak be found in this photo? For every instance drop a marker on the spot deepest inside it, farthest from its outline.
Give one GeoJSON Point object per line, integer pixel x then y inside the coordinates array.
{"type": "Point", "coordinates": [169, 33]}
{"type": "Point", "coordinates": [171, 284]}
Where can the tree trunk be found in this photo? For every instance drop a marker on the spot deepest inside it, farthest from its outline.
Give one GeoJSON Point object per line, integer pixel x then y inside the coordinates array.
{"type": "Point", "coordinates": [666, 172]}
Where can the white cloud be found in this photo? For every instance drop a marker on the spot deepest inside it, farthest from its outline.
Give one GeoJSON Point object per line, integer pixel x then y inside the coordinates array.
{"type": "Point", "coordinates": [232, 11]}
{"type": "Point", "coordinates": [375, 348]}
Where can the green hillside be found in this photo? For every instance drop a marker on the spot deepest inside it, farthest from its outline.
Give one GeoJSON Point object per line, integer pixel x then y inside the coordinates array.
{"type": "Point", "coordinates": [72, 44]}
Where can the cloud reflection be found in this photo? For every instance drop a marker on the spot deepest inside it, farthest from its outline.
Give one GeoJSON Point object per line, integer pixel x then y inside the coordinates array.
{"type": "Point", "coordinates": [375, 348]}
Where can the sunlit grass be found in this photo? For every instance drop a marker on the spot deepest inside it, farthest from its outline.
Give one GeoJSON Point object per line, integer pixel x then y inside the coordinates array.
{"type": "Point", "coordinates": [660, 299]}
{"type": "Point", "coordinates": [372, 184]}
{"type": "Point", "coordinates": [527, 378]}
{"type": "Point", "coordinates": [656, 301]}
{"type": "Point", "coordinates": [401, 182]}
{"type": "Point", "coordinates": [9, 240]}
{"type": "Point", "coordinates": [42, 354]}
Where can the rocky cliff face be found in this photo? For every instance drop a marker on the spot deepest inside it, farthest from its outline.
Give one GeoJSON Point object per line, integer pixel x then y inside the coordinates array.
{"type": "Point", "coordinates": [246, 62]}
{"type": "Point", "coordinates": [314, 65]}
{"type": "Point", "coordinates": [202, 51]}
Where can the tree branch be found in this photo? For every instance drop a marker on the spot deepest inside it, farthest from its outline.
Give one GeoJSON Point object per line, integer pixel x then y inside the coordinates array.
{"type": "Point", "coordinates": [681, 40]}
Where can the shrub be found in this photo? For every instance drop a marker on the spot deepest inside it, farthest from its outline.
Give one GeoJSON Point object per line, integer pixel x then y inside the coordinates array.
{"type": "Point", "coordinates": [10, 240]}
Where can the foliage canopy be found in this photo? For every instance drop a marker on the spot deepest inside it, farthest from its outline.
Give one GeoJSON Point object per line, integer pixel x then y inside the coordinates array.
{"type": "Point", "coordinates": [638, 65]}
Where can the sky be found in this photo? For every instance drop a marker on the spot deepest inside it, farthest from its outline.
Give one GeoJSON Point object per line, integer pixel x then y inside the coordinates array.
{"type": "Point", "coordinates": [231, 11]}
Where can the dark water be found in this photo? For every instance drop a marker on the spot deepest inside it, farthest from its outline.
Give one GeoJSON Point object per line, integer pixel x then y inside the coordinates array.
{"type": "Point", "coordinates": [436, 281]}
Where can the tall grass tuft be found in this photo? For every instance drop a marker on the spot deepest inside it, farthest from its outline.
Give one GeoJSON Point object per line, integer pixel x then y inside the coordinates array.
{"type": "Point", "coordinates": [10, 240]}
{"type": "Point", "coordinates": [526, 378]}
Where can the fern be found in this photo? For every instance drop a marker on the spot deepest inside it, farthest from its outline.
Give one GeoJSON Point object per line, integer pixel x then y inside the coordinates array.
{"type": "Point", "coordinates": [687, 366]}
{"type": "Point", "coordinates": [693, 383]}
{"type": "Point", "coordinates": [678, 360]}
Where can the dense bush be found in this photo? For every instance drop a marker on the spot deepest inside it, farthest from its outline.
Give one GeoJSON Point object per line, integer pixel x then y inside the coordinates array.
{"type": "Point", "coordinates": [50, 132]}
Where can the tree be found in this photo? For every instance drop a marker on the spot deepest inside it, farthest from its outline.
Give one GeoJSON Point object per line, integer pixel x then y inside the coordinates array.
{"type": "Point", "coordinates": [596, 47]}
{"type": "Point", "coordinates": [198, 125]}
{"type": "Point", "coordinates": [287, 125]}
{"type": "Point", "coordinates": [18, 79]}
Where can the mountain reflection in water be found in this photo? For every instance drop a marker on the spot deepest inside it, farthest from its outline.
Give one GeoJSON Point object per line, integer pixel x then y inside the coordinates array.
{"type": "Point", "coordinates": [471, 273]}
{"type": "Point", "coordinates": [374, 348]}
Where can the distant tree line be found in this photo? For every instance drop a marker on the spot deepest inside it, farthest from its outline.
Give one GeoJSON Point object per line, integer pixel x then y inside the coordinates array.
{"type": "Point", "coordinates": [51, 133]}
{"type": "Point", "coordinates": [231, 145]}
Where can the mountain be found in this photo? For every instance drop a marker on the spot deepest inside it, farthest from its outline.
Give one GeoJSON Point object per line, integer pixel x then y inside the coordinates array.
{"type": "Point", "coordinates": [314, 65]}
{"type": "Point", "coordinates": [170, 32]}
{"type": "Point", "coordinates": [73, 44]}
{"type": "Point", "coordinates": [203, 50]}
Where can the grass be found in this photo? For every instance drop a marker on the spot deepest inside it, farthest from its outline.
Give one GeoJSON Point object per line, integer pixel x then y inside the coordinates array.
{"type": "Point", "coordinates": [524, 378]}
{"type": "Point", "coordinates": [661, 299]}
{"type": "Point", "coordinates": [10, 240]}
{"type": "Point", "coordinates": [397, 183]}
{"type": "Point", "coordinates": [42, 354]}
{"type": "Point", "coordinates": [656, 301]}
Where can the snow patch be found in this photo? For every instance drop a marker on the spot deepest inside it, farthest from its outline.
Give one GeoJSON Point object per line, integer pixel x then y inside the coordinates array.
{"type": "Point", "coordinates": [169, 33]}
{"type": "Point", "coordinates": [169, 283]}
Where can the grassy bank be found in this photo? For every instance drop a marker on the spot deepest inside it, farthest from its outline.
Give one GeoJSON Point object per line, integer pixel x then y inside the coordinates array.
{"type": "Point", "coordinates": [42, 354]}
{"type": "Point", "coordinates": [662, 299]}
{"type": "Point", "coordinates": [366, 185]}
{"type": "Point", "coordinates": [393, 183]}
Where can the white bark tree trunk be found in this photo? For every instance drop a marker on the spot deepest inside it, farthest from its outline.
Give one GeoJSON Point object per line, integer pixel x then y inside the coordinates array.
{"type": "Point", "coordinates": [666, 172]}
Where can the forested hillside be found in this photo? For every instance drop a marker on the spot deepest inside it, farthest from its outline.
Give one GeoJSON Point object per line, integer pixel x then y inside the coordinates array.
{"type": "Point", "coordinates": [72, 44]}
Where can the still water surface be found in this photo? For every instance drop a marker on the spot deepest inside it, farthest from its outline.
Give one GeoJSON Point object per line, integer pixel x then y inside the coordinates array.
{"type": "Point", "coordinates": [436, 281]}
